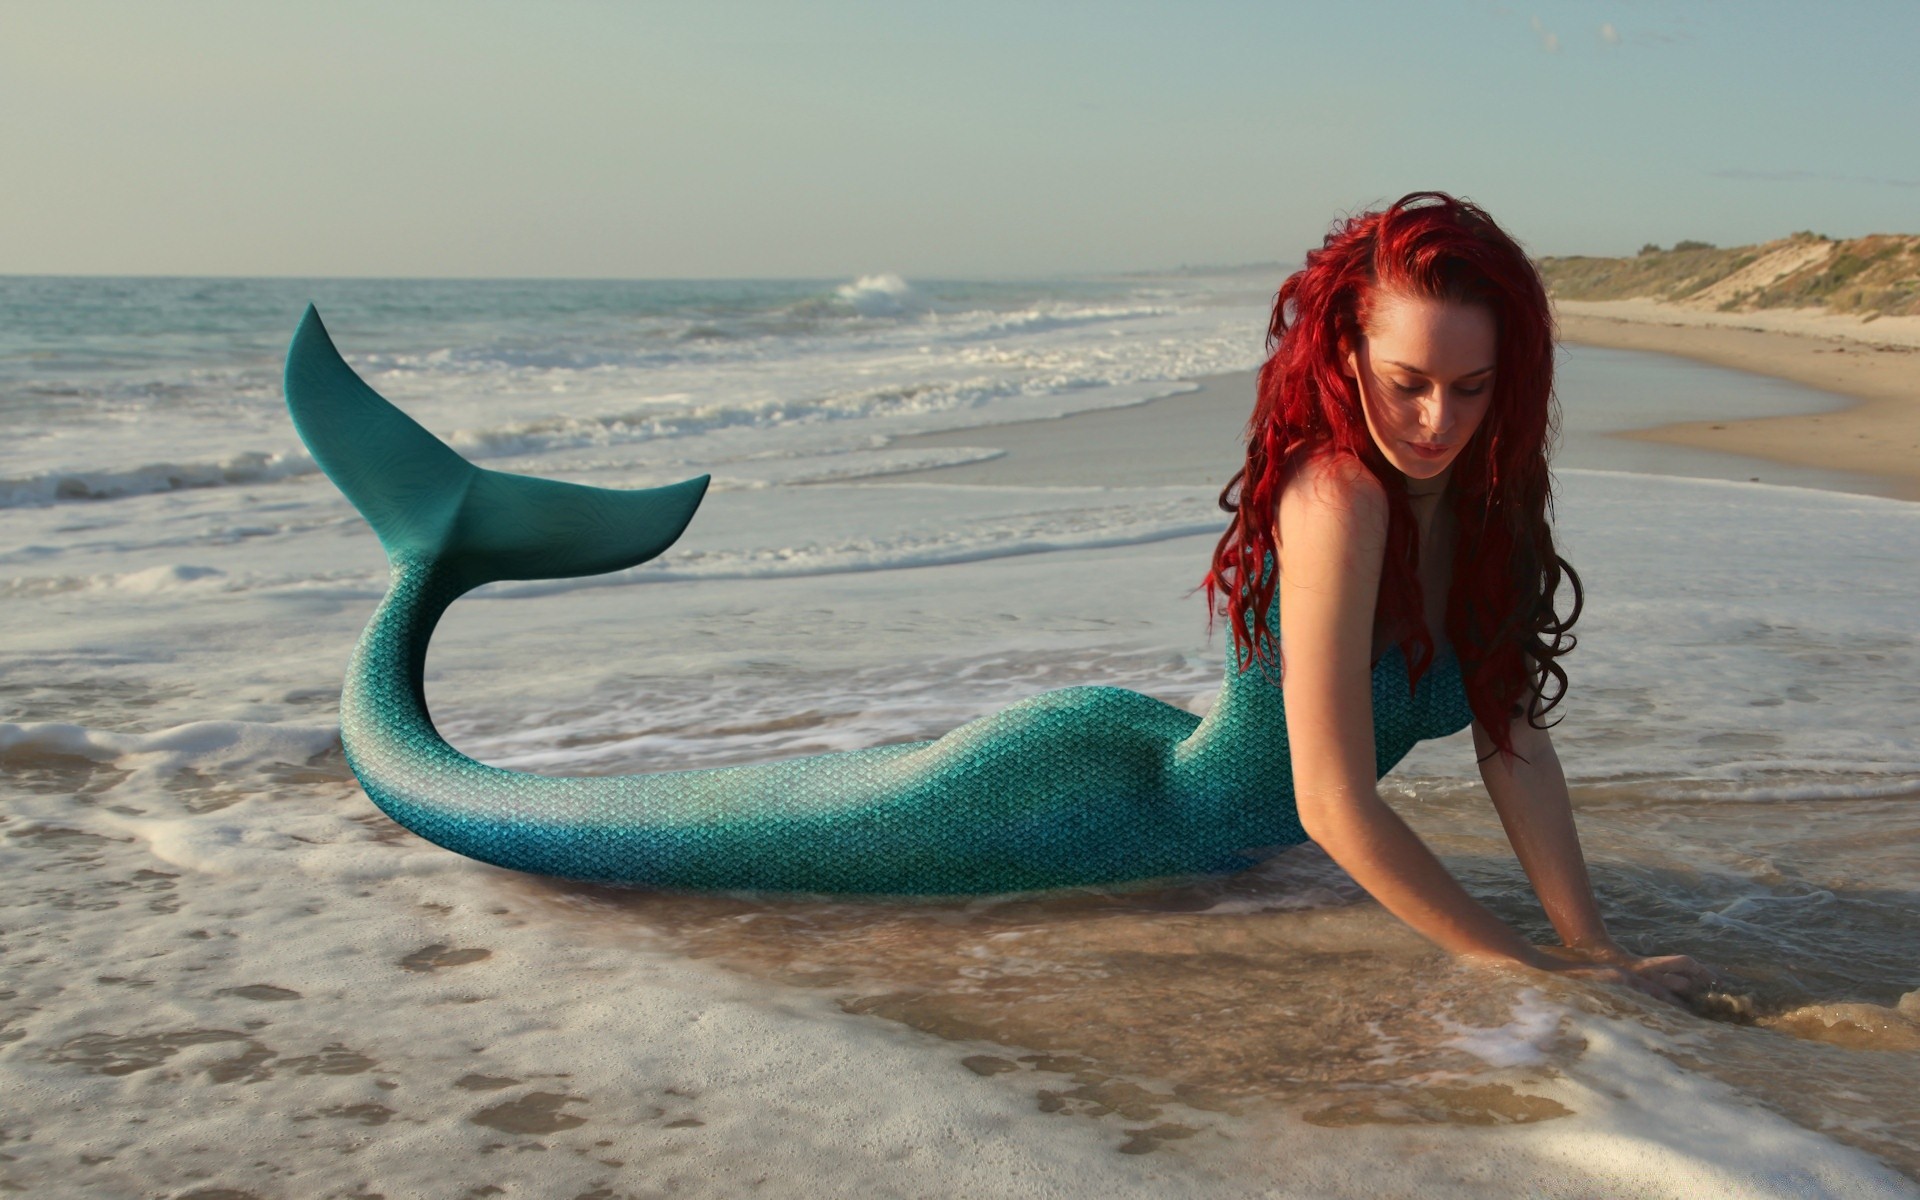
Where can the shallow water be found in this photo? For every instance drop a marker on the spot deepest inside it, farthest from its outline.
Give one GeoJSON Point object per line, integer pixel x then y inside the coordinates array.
{"type": "Point", "coordinates": [314, 982]}
{"type": "Point", "coordinates": [225, 970]}
{"type": "Point", "coordinates": [1284, 987]}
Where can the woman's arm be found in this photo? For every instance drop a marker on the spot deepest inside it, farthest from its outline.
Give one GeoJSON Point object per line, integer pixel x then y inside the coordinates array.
{"type": "Point", "coordinates": [1333, 526]}
{"type": "Point", "coordinates": [1333, 532]}
{"type": "Point", "coordinates": [1529, 791]}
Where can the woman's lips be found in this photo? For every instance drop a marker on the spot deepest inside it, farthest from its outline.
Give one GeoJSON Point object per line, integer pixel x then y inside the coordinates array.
{"type": "Point", "coordinates": [1429, 450]}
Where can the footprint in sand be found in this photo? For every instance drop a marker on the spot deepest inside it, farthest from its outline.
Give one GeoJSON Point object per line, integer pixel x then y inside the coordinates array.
{"type": "Point", "coordinates": [536, 1112]}
{"type": "Point", "coordinates": [438, 955]}
{"type": "Point", "coordinates": [260, 991]}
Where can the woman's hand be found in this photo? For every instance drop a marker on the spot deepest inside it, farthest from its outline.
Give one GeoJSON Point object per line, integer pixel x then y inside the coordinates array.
{"type": "Point", "coordinates": [1674, 978]}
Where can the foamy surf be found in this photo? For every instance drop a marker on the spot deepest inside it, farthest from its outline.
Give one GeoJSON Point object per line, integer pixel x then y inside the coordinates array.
{"type": "Point", "coordinates": [551, 1036]}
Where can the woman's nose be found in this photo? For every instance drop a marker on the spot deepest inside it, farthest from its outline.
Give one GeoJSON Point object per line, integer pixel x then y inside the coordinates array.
{"type": "Point", "coordinates": [1437, 411]}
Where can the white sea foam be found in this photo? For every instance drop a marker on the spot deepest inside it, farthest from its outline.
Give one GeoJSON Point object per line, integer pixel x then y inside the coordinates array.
{"type": "Point", "coordinates": [212, 747]}
{"type": "Point", "coordinates": [881, 295]}
{"type": "Point", "coordinates": [171, 578]}
{"type": "Point", "coordinates": [1648, 1127]}
{"type": "Point", "coordinates": [1521, 1042]}
{"type": "Point", "coordinates": [110, 483]}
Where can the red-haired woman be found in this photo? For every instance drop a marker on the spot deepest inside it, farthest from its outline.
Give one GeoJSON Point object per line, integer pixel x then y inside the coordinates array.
{"type": "Point", "coordinates": [1394, 501]}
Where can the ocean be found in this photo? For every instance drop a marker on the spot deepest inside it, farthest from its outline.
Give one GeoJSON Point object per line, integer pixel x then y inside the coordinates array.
{"type": "Point", "coordinates": [227, 975]}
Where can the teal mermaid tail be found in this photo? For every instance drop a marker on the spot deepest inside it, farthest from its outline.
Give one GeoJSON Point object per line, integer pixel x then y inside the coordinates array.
{"type": "Point", "coordinates": [427, 503]}
{"type": "Point", "coordinates": [1087, 785]}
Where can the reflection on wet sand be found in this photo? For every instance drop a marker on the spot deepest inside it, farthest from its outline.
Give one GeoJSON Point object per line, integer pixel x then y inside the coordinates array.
{"type": "Point", "coordinates": [1151, 1007]}
{"type": "Point", "coordinates": [1284, 986]}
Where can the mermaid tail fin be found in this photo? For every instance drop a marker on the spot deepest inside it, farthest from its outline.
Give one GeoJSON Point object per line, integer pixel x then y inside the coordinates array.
{"type": "Point", "coordinates": [425, 501]}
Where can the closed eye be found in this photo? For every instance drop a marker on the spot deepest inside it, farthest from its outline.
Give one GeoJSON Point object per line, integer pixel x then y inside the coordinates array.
{"type": "Point", "coordinates": [1420, 389]}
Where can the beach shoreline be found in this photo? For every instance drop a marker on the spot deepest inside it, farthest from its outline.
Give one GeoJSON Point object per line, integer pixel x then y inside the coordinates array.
{"type": "Point", "coordinates": [1194, 433]}
{"type": "Point", "coordinates": [1875, 364]}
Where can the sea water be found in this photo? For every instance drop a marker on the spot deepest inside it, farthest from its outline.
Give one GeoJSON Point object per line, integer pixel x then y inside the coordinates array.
{"type": "Point", "coordinates": [227, 975]}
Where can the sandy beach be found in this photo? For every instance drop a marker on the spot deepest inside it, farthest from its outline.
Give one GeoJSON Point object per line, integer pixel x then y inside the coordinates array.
{"type": "Point", "coordinates": [1877, 363]}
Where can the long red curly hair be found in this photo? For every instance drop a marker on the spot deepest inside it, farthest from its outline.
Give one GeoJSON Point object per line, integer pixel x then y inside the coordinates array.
{"type": "Point", "coordinates": [1500, 618]}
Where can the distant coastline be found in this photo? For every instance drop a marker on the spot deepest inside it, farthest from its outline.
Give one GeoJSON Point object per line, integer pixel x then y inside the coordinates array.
{"type": "Point", "coordinates": [1841, 316]}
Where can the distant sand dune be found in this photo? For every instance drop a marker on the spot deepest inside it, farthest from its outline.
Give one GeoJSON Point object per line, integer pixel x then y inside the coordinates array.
{"type": "Point", "coordinates": [1873, 276]}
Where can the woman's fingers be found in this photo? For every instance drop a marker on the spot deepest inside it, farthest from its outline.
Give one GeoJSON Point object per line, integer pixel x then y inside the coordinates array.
{"type": "Point", "coordinates": [1673, 978]}
{"type": "Point", "coordinates": [1677, 972]}
{"type": "Point", "coordinates": [1631, 980]}
{"type": "Point", "coordinates": [1651, 986]}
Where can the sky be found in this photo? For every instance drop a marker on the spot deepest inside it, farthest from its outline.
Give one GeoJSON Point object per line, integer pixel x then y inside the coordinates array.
{"type": "Point", "coordinates": [985, 139]}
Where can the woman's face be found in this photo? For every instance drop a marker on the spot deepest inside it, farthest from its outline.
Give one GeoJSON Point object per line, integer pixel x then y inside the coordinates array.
{"type": "Point", "coordinates": [1425, 369]}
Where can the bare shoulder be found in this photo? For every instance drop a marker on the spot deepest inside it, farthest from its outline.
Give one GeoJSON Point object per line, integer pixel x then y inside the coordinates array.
{"type": "Point", "coordinates": [1333, 497]}
{"type": "Point", "coordinates": [1332, 546]}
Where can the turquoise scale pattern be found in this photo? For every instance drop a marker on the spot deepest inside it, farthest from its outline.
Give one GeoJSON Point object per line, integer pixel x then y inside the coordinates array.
{"type": "Point", "coordinates": [1082, 786]}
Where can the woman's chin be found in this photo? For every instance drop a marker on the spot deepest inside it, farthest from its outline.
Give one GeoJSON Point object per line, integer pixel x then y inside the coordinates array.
{"type": "Point", "coordinates": [1420, 470]}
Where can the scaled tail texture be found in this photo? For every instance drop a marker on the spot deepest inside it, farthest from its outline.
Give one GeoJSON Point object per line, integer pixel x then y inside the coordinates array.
{"type": "Point", "coordinates": [427, 503]}
{"type": "Point", "coordinates": [1077, 787]}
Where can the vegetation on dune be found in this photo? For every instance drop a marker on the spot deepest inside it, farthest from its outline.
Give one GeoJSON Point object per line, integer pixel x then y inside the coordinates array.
{"type": "Point", "coordinates": [1877, 275]}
